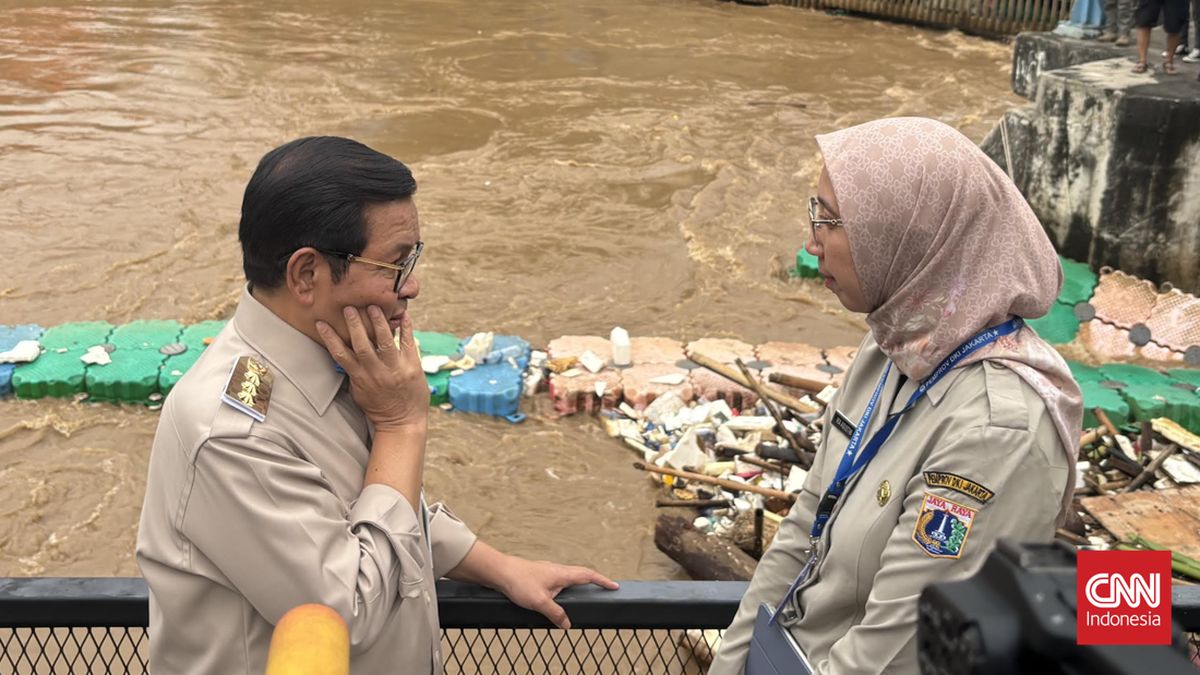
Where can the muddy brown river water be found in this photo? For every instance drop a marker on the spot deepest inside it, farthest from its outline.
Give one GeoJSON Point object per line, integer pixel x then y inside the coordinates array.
{"type": "Point", "coordinates": [581, 165]}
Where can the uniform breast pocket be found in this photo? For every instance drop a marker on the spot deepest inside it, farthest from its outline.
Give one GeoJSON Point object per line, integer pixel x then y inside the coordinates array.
{"type": "Point", "coordinates": [879, 506]}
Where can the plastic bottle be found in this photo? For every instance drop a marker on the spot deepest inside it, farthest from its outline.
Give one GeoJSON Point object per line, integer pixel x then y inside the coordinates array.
{"type": "Point", "coordinates": [621, 349]}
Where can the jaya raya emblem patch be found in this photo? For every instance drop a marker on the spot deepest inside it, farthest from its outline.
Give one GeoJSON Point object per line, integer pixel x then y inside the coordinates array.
{"type": "Point", "coordinates": [942, 527]}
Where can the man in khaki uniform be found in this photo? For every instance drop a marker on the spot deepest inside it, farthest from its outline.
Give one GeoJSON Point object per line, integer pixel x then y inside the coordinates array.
{"type": "Point", "coordinates": [889, 535]}
{"type": "Point", "coordinates": [287, 466]}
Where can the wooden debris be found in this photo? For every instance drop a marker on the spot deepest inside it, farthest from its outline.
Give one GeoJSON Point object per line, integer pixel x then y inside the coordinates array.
{"type": "Point", "coordinates": [731, 374]}
{"type": "Point", "coordinates": [1148, 473]}
{"type": "Point", "coordinates": [795, 441]}
{"type": "Point", "coordinates": [702, 556]}
{"type": "Point", "coordinates": [731, 485]}
{"type": "Point", "coordinates": [1170, 518]}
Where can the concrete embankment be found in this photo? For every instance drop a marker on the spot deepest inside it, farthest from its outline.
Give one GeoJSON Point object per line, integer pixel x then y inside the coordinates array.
{"type": "Point", "coordinates": [1108, 159]}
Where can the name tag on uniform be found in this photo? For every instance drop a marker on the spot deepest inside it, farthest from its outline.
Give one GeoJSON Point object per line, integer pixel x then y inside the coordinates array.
{"type": "Point", "coordinates": [843, 423]}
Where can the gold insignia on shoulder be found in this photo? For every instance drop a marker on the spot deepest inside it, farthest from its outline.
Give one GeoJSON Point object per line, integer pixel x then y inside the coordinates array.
{"type": "Point", "coordinates": [884, 493]}
{"type": "Point", "coordinates": [249, 387]}
{"type": "Point", "coordinates": [955, 482]}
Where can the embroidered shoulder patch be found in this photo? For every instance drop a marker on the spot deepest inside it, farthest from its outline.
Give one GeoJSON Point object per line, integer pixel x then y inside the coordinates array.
{"type": "Point", "coordinates": [953, 481]}
{"type": "Point", "coordinates": [249, 387]}
{"type": "Point", "coordinates": [942, 527]}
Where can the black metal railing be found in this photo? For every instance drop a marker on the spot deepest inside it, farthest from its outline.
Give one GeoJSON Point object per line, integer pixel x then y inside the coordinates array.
{"type": "Point", "coordinates": [98, 625]}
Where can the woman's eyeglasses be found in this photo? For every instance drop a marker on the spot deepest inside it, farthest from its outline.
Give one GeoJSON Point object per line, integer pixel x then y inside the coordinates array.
{"type": "Point", "coordinates": [816, 223]}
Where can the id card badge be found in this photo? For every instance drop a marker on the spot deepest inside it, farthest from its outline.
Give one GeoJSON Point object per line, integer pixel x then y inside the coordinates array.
{"type": "Point", "coordinates": [843, 423]}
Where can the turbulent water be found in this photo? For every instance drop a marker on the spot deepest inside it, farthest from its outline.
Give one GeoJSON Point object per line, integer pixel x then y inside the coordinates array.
{"type": "Point", "coordinates": [581, 165]}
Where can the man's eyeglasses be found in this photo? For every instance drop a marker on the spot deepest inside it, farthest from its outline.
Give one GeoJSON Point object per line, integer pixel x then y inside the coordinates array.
{"type": "Point", "coordinates": [403, 269]}
{"type": "Point", "coordinates": [816, 223]}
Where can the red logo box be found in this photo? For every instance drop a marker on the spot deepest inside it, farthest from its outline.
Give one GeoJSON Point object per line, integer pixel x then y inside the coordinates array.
{"type": "Point", "coordinates": [1124, 597]}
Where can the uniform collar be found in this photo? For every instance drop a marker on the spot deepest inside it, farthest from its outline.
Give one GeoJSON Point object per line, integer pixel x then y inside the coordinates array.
{"type": "Point", "coordinates": [294, 355]}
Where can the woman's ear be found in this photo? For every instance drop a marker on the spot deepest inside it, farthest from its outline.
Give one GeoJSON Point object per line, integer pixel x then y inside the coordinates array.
{"type": "Point", "coordinates": [306, 271]}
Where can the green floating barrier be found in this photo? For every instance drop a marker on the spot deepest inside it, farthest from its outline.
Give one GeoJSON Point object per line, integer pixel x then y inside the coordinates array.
{"type": "Point", "coordinates": [1079, 282]}
{"type": "Point", "coordinates": [195, 334]}
{"type": "Point", "coordinates": [1096, 395]}
{"type": "Point", "coordinates": [1083, 373]}
{"type": "Point", "coordinates": [1059, 326]}
{"type": "Point", "coordinates": [132, 376]}
{"type": "Point", "coordinates": [193, 337]}
{"type": "Point", "coordinates": [439, 385]}
{"type": "Point", "coordinates": [806, 265]}
{"type": "Point", "coordinates": [174, 368]}
{"type": "Point", "coordinates": [437, 344]}
{"type": "Point", "coordinates": [53, 374]}
{"type": "Point", "coordinates": [76, 335]}
{"type": "Point", "coordinates": [1149, 401]}
{"type": "Point", "coordinates": [1185, 375]}
{"type": "Point", "coordinates": [1129, 374]}
{"type": "Point", "coordinates": [150, 335]}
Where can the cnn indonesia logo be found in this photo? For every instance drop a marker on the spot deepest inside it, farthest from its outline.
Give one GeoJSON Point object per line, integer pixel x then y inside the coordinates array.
{"type": "Point", "coordinates": [1124, 597]}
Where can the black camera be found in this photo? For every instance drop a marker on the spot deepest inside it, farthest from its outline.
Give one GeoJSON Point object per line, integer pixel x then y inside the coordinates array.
{"type": "Point", "coordinates": [1017, 615]}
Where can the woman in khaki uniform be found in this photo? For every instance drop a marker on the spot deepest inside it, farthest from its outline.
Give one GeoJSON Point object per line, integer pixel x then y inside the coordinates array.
{"type": "Point", "coordinates": [955, 426]}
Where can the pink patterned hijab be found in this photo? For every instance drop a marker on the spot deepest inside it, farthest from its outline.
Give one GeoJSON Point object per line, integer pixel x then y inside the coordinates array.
{"type": "Point", "coordinates": [944, 246]}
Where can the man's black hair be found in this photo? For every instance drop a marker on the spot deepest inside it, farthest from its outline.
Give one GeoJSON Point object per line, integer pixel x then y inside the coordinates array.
{"type": "Point", "coordinates": [312, 192]}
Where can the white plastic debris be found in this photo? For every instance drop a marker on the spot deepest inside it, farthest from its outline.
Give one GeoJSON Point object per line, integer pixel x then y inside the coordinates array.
{"type": "Point", "coordinates": [600, 386]}
{"type": "Point", "coordinates": [687, 452]}
{"type": "Point", "coordinates": [537, 358]}
{"type": "Point", "coordinates": [750, 423]}
{"type": "Point", "coordinates": [1126, 445]}
{"type": "Point", "coordinates": [1080, 469]}
{"type": "Point", "coordinates": [96, 356]}
{"type": "Point", "coordinates": [479, 346]}
{"type": "Point", "coordinates": [533, 380]}
{"type": "Point", "coordinates": [628, 411]}
{"type": "Point", "coordinates": [795, 479]}
{"type": "Point", "coordinates": [669, 379]}
{"type": "Point", "coordinates": [592, 362]}
{"type": "Point", "coordinates": [701, 523]}
{"type": "Point", "coordinates": [826, 394]}
{"type": "Point", "coordinates": [667, 404]}
{"type": "Point", "coordinates": [1181, 470]}
{"type": "Point", "coordinates": [25, 351]}
{"type": "Point", "coordinates": [433, 363]}
{"type": "Point", "coordinates": [571, 372]}
{"type": "Point", "coordinates": [622, 352]}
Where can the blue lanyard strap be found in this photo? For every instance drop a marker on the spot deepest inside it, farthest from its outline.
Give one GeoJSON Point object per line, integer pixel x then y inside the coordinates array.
{"type": "Point", "coordinates": [854, 461]}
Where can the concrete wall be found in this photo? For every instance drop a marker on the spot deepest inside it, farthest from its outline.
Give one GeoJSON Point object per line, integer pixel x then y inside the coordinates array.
{"type": "Point", "coordinates": [1110, 162]}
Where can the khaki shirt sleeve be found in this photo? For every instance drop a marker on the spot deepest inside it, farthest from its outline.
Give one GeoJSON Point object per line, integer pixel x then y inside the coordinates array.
{"type": "Point", "coordinates": [275, 529]}
{"type": "Point", "coordinates": [778, 568]}
{"type": "Point", "coordinates": [452, 539]}
{"type": "Point", "coordinates": [1026, 491]}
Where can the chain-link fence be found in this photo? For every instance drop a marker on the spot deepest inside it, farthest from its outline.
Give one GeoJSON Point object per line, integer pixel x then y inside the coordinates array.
{"type": "Point", "coordinates": [94, 626]}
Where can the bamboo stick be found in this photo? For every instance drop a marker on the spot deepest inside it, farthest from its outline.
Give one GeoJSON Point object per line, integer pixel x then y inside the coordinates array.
{"type": "Point", "coordinates": [1072, 537]}
{"type": "Point", "coordinates": [1108, 425]}
{"type": "Point", "coordinates": [799, 443]}
{"type": "Point", "coordinates": [693, 503]}
{"type": "Point", "coordinates": [1148, 473]}
{"type": "Point", "coordinates": [720, 482]}
{"type": "Point", "coordinates": [734, 376]}
{"type": "Point", "coordinates": [797, 382]}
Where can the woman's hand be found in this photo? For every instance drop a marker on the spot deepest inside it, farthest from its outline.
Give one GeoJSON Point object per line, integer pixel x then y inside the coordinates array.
{"type": "Point", "coordinates": [386, 380]}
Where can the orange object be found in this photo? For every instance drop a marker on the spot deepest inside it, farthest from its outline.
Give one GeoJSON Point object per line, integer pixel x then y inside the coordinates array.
{"type": "Point", "coordinates": [208, 341]}
{"type": "Point", "coordinates": [310, 640]}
